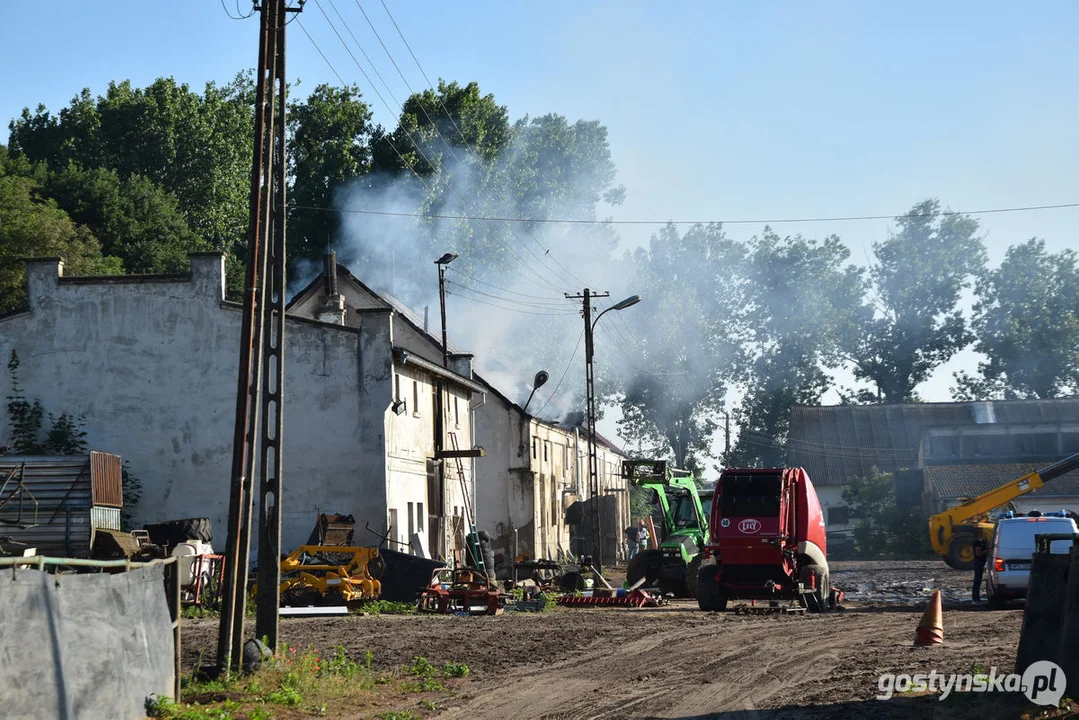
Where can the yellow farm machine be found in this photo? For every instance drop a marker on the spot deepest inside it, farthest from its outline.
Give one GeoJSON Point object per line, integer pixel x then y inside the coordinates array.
{"type": "Point", "coordinates": [323, 575]}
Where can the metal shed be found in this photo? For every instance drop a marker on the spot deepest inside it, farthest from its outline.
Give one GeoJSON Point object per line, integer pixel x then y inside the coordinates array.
{"type": "Point", "coordinates": [56, 503]}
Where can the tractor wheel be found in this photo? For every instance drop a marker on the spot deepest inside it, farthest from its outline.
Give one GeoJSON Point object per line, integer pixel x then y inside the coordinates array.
{"type": "Point", "coordinates": [693, 572]}
{"type": "Point", "coordinates": [646, 565]}
{"type": "Point", "coordinates": [817, 602]}
{"type": "Point", "coordinates": [960, 553]}
{"type": "Point", "coordinates": [710, 595]}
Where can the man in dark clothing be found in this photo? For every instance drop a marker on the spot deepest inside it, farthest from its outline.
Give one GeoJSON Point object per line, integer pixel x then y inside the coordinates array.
{"type": "Point", "coordinates": [981, 555]}
{"type": "Point", "coordinates": [633, 539]}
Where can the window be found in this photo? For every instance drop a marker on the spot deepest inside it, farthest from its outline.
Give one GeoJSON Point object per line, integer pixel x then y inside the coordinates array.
{"type": "Point", "coordinates": [545, 446]}
{"type": "Point", "coordinates": [411, 523]}
{"type": "Point", "coordinates": [456, 414]}
{"type": "Point", "coordinates": [396, 387]}
{"type": "Point", "coordinates": [415, 398]}
{"type": "Point", "coordinates": [838, 515]}
{"type": "Point", "coordinates": [419, 517]}
{"type": "Point", "coordinates": [393, 524]}
{"type": "Point", "coordinates": [535, 447]}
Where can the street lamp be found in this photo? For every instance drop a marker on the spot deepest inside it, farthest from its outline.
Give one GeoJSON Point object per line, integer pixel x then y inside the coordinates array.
{"type": "Point", "coordinates": [442, 262]}
{"type": "Point", "coordinates": [590, 387]}
{"type": "Point", "coordinates": [537, 382]}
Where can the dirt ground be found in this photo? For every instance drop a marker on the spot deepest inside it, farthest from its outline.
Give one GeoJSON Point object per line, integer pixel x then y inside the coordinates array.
{"type": "Point", "coordinates": [679, 662]}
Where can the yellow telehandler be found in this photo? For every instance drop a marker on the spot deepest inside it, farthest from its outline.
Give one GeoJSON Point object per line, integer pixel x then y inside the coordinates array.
{"type": "Point", "coordinates": [953, 531]}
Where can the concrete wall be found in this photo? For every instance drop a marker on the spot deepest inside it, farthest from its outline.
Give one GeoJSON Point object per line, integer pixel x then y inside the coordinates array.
{"type": "Point", "coordinates": [152, 364]}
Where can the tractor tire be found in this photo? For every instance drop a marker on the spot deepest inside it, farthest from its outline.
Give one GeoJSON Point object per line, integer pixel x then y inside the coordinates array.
{"type": "Point", "coordinates": [960, 553]}
{"type": "Point", "coordinates": [817, 602]}
{"type": "Point", "coordinates": [693, 572]}
{"type": "Point", "coordinates": [646, 565]}
{"type": "Point", "coordinates": [174, 532]}
{"type": "Point", "coordinates": [710, 595]}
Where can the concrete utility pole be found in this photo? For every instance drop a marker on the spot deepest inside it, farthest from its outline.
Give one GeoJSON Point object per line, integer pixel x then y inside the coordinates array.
{"type": "Point", "coordinates": [590, 389]}
{"type": "Point", "coordinates": [259, 393]}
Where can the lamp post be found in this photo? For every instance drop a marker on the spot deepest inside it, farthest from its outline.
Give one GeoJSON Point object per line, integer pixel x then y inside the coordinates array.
{"type": "Point", "coordinates": [442, 262]}
{"type": "Point", "coordinates": [590, 389]}
{"type": "Point", "coordinates": [537, 382]}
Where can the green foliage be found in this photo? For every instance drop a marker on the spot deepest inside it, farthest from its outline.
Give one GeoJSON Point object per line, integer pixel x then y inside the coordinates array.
{"type": "Point", "coordinates": [398, 715]}
{"type": "Point", "coordinates": [914, 324]}
{"type": "Point", "coordinates": [457, 670]}
{"type": "Point", "coordinates": [420, 667]}
{"type": "Point", "coordinates": [800, 301]}
{"type": "Point", "coordinates": [689, 345]}
{"type": "Point", "coordinates": [884, 530]}
{"type": "Point", "coordinates": [1026, 322]}
{"type": "Point", "coordinates": [65, 435]}
{"type": "Point", "coordinates": [32, 226]}
{"type": "Point", "coordinates": [330, 146]}
{"type": "Point", "coordinates": [389, 607]}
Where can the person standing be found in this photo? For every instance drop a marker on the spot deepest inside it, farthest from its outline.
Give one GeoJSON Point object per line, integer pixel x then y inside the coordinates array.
{"type": "Point", "coordinates": [643, 535]}
{"type": "Point", "coordinates": [981, 556]}
{"type": "Point", "coordinates": [633, 540]}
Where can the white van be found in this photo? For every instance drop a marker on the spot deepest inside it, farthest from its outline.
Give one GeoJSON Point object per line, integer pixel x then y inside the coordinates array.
{"type": "Point", "coordinates": [1013, 545]}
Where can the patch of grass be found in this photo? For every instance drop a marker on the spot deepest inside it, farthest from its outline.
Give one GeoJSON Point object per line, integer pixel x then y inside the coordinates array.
{"type": "Point", "coordinates": [195, 612]}
{"type": "Point", "coordinates": [420, 667]}
{"type": "Point", "coordinates": [388, 607]}
{"type": "Point", "coordinates": [309, 683]}
{"type": "Point", "coordinates": [457, 670]}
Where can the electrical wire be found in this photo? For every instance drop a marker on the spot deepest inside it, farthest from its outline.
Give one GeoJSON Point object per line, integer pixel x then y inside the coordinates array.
{"type": "Point", "coordinates": [764, 221]}
{"type": "Point", "coordinates": [239, 15]}
{"type": "Point", "coordinates": [460, 133]}
{"type": "Point", "coordinates": [496, 287]}
{"type": "Point", "coordinates": [523, 303]}
{"type": "Point", "coordinates": [503, 307]}
{"type": "Point", "coordinates": [555, 391]}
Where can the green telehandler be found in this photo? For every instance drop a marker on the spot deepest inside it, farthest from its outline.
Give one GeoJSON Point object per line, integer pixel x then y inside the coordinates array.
{"type": "Point", "coordinates": [674, 566]}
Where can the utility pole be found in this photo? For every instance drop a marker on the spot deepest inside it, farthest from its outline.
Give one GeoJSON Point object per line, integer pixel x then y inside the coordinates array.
{"type": "Point", "coordinates": [259, 393]}
{"type": "Point", "coordinates": [590, 391]}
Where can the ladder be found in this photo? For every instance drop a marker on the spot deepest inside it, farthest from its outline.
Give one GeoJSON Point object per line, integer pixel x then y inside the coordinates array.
{"type": "Point", "coordinates": [471, 536]}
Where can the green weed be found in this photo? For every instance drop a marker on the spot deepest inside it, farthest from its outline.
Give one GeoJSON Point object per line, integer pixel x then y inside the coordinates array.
{"type": "Point", "coordinates": [457, 670]}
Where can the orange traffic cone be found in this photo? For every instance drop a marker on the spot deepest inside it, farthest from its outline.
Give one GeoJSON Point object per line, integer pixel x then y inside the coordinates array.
{"type": "Point", "coordinates": [931, 627]}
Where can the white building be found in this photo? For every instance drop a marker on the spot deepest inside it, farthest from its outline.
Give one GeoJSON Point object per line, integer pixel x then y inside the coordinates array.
{"type": "Point", "coordinates": [150, 364]}
{"type": "Point", "coordinates": [533, 470]}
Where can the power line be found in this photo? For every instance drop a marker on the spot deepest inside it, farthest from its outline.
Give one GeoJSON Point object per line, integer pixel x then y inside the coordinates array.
{"type": "Point", "coordinates": [460, 133]}
{"type": "Point", "coordinates": [568, 364]}
{"type": "Point", "coordinates": [496, 287]}
{"type": "Point", "coordinates": [524, 303]}
{"type": "Point", "coordinates": [503, 307]}
{"type": "Point", "coordinates": [764, 221]}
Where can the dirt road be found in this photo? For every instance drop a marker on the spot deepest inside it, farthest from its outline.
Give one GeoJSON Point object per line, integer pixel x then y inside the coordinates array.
{"type": "Point", "coordinates": [679, 662]}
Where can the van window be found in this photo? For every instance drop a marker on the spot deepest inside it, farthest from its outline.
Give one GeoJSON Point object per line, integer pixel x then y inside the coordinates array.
{"type": "Point", "coordinates": [1017, 536]}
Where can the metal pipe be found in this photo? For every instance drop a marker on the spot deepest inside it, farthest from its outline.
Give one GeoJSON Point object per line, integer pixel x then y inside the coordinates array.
{"type": "Point", "coordinates": [43, 560]}
{"type": "Point", "coordinates": [514, 559]}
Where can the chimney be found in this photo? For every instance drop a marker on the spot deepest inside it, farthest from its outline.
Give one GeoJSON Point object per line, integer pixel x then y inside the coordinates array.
{"type": "Point", "coordinates": [332, 309]}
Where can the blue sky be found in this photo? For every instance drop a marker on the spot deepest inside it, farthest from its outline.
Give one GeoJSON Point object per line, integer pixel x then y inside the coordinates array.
{"type": "Point", "coordinates": [716, 110]}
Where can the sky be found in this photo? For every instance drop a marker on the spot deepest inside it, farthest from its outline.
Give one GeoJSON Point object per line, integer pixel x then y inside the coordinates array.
{"type": "Point", "coordinates": [716, 110]}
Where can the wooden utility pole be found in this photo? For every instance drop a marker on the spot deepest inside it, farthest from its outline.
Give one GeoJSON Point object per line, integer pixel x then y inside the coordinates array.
{"type": "Point", "coordinates": [259, 393]}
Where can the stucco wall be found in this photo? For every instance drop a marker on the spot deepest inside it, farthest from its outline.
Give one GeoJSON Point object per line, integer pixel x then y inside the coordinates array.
{"type": "Point", "coordinates": [152, 366]}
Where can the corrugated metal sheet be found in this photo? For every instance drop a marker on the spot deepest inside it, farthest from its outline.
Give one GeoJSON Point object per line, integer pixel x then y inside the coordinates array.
{"type": "Point", "coordinates": [835, 443]}
{"type": "Point", "coordinates": [106, 479]}
{"type": "Point", "coordinates": [61, 487]}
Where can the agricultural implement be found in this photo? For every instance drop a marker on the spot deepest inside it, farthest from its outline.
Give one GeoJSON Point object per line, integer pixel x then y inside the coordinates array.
{"type": "Point", "coordinates": [460, 591]}
{"type": "Point", "coordinates": [768, 543]}
{"type": "Point", "coordinates": [331, 575]}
